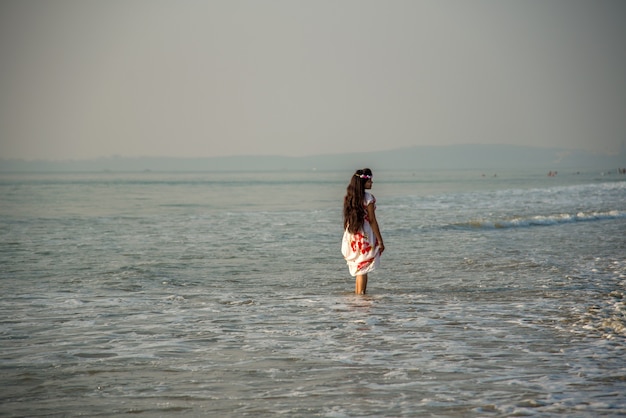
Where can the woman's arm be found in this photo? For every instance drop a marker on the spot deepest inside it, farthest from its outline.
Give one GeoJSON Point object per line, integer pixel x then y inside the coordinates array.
{"type": "Point", "coordinates": [371, 215]}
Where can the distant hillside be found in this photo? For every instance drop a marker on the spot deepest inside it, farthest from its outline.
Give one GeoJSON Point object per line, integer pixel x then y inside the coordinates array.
{"type": "Point", "coordinates": [433, 157]}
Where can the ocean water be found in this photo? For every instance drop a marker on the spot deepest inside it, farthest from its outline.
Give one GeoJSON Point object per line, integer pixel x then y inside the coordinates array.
{"type": "Point", "coordinates": [225, 294]}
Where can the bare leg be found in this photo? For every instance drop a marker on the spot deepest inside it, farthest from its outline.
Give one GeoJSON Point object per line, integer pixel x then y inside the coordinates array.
{"type": "Point", "coordinates": [361, 284]}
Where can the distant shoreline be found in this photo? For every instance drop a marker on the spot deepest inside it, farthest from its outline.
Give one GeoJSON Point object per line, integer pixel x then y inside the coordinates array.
{"type": "Point", "coordinates": [462, 157]}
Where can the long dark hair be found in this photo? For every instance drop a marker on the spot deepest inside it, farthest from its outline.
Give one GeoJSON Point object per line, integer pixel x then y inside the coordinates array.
{"type": "Point", "coordinates": [353, 210]}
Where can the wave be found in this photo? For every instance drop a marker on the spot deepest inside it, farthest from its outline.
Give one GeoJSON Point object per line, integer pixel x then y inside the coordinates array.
{"type": "Point", "coordinates": [541, 220]}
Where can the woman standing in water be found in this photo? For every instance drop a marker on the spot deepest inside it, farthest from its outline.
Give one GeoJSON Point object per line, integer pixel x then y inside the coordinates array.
{"type": "Point", "coordinates": [362, 243]}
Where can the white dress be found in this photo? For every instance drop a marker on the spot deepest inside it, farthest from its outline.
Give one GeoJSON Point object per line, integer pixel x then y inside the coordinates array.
{"type": "Point", "coordinates": [361, 250]}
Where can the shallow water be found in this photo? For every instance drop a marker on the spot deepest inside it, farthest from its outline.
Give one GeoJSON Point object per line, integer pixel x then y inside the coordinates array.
{"type": "Point", "coordinates": [225, 295]}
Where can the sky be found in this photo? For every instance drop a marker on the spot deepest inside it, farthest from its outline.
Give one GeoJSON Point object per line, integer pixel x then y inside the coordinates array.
{"type": "Point", "coordinates": [83, 79]}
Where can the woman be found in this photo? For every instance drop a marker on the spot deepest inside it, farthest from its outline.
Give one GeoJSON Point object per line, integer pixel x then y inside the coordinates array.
{"type": "Point", "coordinates": [362, 243]}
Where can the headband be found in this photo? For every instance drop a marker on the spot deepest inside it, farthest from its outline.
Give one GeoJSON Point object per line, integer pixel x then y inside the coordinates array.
{"type": "Point", "coordinates": [363, 176]}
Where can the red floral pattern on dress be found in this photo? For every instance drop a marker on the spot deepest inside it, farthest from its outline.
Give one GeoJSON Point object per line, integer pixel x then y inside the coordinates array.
{"type": "Point", "coordinates": [365, 263]}
{"type": "Point", "coordinates": [359, 243]}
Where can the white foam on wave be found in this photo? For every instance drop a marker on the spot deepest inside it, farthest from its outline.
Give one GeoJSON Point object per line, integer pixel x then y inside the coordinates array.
{"type": "Point", "coordinates": [72, 303]}
{"type": "Point", "coordinates": [543, 220]}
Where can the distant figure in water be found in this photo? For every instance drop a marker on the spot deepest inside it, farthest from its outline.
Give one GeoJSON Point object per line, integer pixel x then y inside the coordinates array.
{"type": "Point", "coordinates": [362, 243]}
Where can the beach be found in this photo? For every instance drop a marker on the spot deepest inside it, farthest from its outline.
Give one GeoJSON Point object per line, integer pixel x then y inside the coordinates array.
{"type": "Point", "coordinates": [225, 294]}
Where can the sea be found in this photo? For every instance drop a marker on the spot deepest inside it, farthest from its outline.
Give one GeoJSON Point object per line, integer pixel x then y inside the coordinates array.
{"type": "Point", "coordinates": [225, 294]}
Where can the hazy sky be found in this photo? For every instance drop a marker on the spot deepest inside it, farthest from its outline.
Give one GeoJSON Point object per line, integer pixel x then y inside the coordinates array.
{"type": "Point", "coordinates": [191, 78]}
